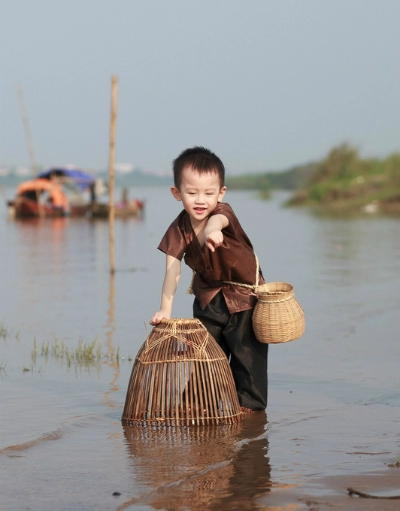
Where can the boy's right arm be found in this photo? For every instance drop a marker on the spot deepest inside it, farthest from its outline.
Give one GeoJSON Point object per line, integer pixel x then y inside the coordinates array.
{"type": "Point", "coordinates": [170, 284]}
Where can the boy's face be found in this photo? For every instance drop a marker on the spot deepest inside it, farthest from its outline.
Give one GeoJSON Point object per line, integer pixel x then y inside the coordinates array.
{"type": "Point", "coordinates": [199, 193]}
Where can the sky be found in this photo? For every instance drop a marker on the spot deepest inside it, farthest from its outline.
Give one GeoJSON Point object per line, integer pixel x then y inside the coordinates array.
{"type": "Point", "coordinates": [265, 84]}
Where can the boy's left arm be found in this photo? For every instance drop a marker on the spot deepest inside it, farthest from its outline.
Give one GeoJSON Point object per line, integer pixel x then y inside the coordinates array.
{"type": "Point", "coordinates": [213, 237]}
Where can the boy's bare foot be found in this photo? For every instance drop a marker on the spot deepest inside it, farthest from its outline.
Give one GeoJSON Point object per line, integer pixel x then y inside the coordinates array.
{"type": "Point", "coordinates": [246, 410]}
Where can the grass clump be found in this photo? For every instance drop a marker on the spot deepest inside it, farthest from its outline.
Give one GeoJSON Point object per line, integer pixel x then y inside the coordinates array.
{"type": "Point", "coordinates": [3, 366]}
{"type": "Point", "coordinates": [3, 332]}
{"type": "Point", "coordinates": [85, 355]}
{"type": "Point", "coordinates": [395, 464]}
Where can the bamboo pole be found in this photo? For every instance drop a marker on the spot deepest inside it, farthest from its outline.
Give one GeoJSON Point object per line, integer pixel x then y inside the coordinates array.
{"type": "Point", "coordinates": [111, 177]}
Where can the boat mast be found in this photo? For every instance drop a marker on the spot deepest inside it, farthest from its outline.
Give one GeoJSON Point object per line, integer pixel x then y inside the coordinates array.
{"type": "Point", "coordinates": [111, 212]}
{"type": "Point", "coordinates": [27, 131]}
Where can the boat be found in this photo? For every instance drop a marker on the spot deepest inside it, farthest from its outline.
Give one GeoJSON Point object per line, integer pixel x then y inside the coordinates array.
{"type": "Point", "coordinates": [124, 208]}
{"type": "Point", "coordinates": [81, 188]}
{"type": "Point", "coordinates": [69, 176]}
{"type": "Point", "coordinates": [68, 192]}
{"type": "Point", "coordinates": [84, 191]}
{"type": "Point", "coordinates": [39, 198]}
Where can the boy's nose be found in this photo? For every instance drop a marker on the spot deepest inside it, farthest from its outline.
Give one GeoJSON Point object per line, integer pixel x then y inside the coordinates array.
{"type": "Point", "coordinates": [200, 199]}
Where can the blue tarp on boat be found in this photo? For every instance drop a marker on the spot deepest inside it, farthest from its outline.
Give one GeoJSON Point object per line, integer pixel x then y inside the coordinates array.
{"type": "Point", "coordinates": [80, 178]}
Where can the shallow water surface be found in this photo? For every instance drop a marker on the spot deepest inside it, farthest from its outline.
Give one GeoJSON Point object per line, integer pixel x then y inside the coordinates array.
{"type": "Point", "coordinates": [333, 394]}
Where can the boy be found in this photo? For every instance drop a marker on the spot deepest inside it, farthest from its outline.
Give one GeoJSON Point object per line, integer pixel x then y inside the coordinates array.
{"type": "Point", "coordinates": [210, 238]}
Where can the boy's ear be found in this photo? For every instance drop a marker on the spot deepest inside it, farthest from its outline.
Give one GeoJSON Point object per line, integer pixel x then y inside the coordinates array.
{"type": "Point", "coordinates": [176, 193]}
{"type": "Point", "coordinates": [221, 193]}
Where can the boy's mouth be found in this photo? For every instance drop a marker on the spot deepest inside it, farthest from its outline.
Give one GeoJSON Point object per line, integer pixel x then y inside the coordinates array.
{"type": "Point", "coordinates": [199, 210]}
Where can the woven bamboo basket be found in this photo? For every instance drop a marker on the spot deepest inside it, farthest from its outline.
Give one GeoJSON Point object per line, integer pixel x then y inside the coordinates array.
{"type": "Point", "coordinates": [277, 316]}
{"type": "Point", "coordinates": [181, 377]}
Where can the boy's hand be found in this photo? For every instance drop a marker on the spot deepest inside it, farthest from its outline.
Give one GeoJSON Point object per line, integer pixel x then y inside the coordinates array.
{"type": "Point", "coordinates": [158, 316]}
{"type": "Point", "coordinates": [214, 239]}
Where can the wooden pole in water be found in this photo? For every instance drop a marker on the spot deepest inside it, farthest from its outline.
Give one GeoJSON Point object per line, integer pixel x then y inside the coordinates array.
{"type": "Point", "coordinates": [111, 212]}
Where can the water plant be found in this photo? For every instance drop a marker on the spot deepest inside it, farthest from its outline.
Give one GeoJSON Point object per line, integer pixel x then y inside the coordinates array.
{"type": "Point", "coordinates": [34, 351]}
{"type": "Point", "coordinates": [3, 331]}
{"type": "Point", "coordinates": [85, 355]}
{"type": "Point", "coordinates": [395, 463]}
{"type": "Point", "coordinates": [3, 368]}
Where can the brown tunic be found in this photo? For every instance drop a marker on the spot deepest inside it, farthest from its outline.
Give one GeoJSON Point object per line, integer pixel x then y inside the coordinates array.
{"type": "Point", "coordinates": [233, 261]}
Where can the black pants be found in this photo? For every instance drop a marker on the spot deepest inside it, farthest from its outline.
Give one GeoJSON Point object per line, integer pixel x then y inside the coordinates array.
{"type": "Point", "coordinates": [248, 357]}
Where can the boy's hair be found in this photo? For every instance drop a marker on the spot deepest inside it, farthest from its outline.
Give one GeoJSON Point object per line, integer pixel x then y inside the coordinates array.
{"type": "Point", "coordinates": [201, 160]}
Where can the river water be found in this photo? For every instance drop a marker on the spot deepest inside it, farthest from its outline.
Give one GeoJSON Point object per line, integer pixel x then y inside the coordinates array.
{"type": "Point", "coordinates": [333, 394]}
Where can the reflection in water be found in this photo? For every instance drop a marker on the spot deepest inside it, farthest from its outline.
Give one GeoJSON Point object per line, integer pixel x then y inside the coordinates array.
{"type": "Point", "coordinates": [216, 467]}
{"type": "Point", "coordinates": [43, 240]}
{"type": "Point", "coordinates": [112, 360]}
{"type": "Point", "coordinates": [39, 266]}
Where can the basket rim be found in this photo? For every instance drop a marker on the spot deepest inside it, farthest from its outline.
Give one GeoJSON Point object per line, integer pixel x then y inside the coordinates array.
{"type": "Point", "coordinates": [277, 284]}
{"type": "Point", "coordinates": [275, 291]}
{"type": "Point", "coordinates": [179, 321]}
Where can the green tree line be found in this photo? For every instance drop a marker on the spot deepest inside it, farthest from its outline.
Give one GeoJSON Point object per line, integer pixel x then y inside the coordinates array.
{"type": "Point", "coordinates": [341, 180]}
{"type": "Point", "coordinates": [344, 180]}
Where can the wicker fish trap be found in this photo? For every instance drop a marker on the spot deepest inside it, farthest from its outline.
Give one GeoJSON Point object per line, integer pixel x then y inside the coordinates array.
{"type": "Point", "coordinates": [277, 316]}
{"type": "Point", "coordinates": [181, 377]}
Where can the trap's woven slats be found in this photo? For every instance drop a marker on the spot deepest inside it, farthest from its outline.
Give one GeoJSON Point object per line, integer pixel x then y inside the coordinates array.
{"type": "Point", "coordinates": [155, 402]}
{"type": "Point", "coordinates": [226, 395]}
{"type": "Point", "coordinates": [139, 383]}
{"type": "Point", "coordinates": [183, 380]}
{"type": "Point", "coordinates": [212, 390]}
{"type": "Point", "coordinates": [155, 352]}
{"type": "Point", "coordinates": [277, 316]}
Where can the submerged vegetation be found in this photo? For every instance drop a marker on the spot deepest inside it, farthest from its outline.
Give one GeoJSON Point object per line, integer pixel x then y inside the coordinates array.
{"type": "Point", "coordinates": [85, 355]}
{"type": "Point", "coordinates": [3, 366]}
{"type": "Point", "coordinates": [395, 464]}
{"type": "Point", "coordinates": [6, 333]}
{"type": "Point", "coordinates": [3, 332]}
